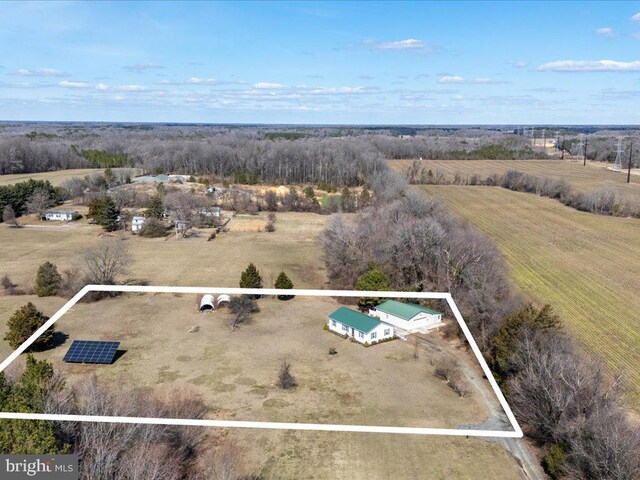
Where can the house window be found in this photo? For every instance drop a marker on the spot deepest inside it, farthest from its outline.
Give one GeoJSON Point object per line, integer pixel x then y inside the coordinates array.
{"type": "Point", "coordinates": [333, 323]}
{"type": "Point", "coordinates": [360, 334]}
{"type": "Point", "coordinates": [387, 331]}
{"type": "Point", "coordinates": [374, 335]}
{"type": "Point", "coordinates": [345, 328]}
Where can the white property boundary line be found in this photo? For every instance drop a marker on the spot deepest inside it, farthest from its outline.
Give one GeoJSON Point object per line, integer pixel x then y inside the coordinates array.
{"type": "Point", "coordinates": [516, 433]}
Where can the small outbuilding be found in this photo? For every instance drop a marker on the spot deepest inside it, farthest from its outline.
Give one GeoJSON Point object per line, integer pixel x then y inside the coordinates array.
{"type": "Point", "coordinates": [362, 328]}
{"type": "Point", "coordinates": [223, 300]}
{"type": "Point", "coordinates": [137, 223]}
{"type": "Point", "coordinates": [207, 303]}
{"type": "Point", "coordinates": [407, 316]}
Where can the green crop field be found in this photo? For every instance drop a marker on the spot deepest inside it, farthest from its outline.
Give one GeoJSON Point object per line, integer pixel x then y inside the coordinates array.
{"type": "Point", "coordinates": [587, 266]}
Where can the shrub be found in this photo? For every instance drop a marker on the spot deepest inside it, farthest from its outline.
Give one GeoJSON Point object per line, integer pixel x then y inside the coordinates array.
{"type": "Point", "coordinates": [251, 278]}
{"type": "Point", "coordinates": [23, 323]}
{"type": "Point", "coordinates": [269, 227]}
{"type": "Point", "coordinates": [285, 283]}
{"type": "Point", "coordinates": [153, 228]}
{"type": "Point", "coordinates": [366, 344]}
{"type": "Point", "coordinates": [554, 460]}
{"type": "Point", "coordinates": [325, 327]}
{"type": "Point", "coordinates": [47, 280]}
{"type": "Point", "coordinates": [285, 379]}
{"type": "Point", "coordinates": [333, 351]}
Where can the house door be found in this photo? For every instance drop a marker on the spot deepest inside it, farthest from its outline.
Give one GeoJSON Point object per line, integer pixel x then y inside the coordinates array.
{"type": "Point", "coordinates": [352, 332]}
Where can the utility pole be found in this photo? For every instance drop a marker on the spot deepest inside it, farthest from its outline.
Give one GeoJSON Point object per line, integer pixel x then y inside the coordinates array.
{"type": "Point", "coordinates": [586, 142]}
{"type": "Point", "coordinates": [629, 167]}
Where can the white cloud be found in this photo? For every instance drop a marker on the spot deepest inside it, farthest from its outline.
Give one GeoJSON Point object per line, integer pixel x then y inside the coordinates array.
{"type": "Point", "coordinates": [590, 66]}
{"type": "Point", "coordinates": [68, 84]}
{"type": "Point", "coordinates": [202, 81]}
{"type": "Point", "coordinates": [268, 86]}
{"type": "Point", "coordinates": [606, 32]}
{"type": "Point", "coordinates": [408, 44]}
{"type": "Point", "coordinates": [40, 72]}
{"type": "Point", "coordinates": [131, 88]}
{"type": "Point", "coordinates": [140, 67]}
{"type": "Point", "coordinates": [102, 86]}
{"type": "Point", "coordinates": [451, 79]}
{"type": "Point", "coordinates": [636, 18]}
{"type": "Point", "coordinates": [518, 64]}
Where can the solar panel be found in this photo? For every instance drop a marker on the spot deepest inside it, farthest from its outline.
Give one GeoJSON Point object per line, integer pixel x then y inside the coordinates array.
{"type": "Point", "coordinates": [89, 351]}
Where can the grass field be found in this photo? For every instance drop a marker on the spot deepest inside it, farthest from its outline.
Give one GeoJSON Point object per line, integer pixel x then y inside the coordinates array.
{"type": "Point", "coordinates": [581, 179]}
{"type": "Point", "coordinates": [293, 248]}
{"type": "Point", "coordinates": [56, 177]}
{"type": "Point", "coordinates": [236, 371]}
{"type": "Point", "coordinates": [586, 266]}
{"type": "Point", "coordinates": [193, 261]}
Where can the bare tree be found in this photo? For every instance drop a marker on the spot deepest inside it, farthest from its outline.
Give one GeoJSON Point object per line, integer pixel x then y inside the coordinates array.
{"type": "Point", "coordinates": [9, 216]}
{"type": "Point", "coordinates": [105, 262]}
{"type": "Point", "coordinates": [285, 379]}
{"type": "Point", "coordinates": [240, 310]}
{"type": "Point", "coordinates": [39, 202]}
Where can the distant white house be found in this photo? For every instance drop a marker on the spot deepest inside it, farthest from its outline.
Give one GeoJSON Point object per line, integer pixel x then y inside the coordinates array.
{"type": "Point", "coordinates": [211, 212]}
{"type": "Point", "coordinates": [137, 223]}
{"type": "Point", "coordinates": [60, 216]}
{"type": "Point", "coordinates": [407, 316]}
{"type": "Point", "coordinates": [363, 328]}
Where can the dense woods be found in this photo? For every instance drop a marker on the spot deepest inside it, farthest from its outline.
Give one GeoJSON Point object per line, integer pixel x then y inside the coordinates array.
{"type": "Point", "coordinates": [565, 401]}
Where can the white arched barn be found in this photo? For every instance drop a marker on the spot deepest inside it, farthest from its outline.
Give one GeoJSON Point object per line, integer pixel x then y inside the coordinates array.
{"type": "Point", "coordinates": [207, 302]}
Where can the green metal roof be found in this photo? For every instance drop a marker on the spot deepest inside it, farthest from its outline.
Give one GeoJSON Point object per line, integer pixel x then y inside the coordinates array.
{"type": "Point", "coordinates": [354, 319]}
{"type": "Point", "coordinates": [406, 311]}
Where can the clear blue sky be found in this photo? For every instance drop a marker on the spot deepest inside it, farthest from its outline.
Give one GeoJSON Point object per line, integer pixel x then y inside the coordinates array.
{"type": "Point", "coordinates": [467, 62]}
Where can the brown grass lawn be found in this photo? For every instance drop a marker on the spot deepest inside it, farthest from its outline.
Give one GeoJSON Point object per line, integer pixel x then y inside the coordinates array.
{"type": "Point", "coordinates": [292, 247]}
{"type": "Point", "coordinates": [236, 376]}
{"type": "Point", "coordinates": [235, 372]}
{"type": "Point", "coordinates": [56, 177]}
{"type": "Point", "coordinates": [586, 266]}
{"type": "Point", "coordinates": [581, 179]}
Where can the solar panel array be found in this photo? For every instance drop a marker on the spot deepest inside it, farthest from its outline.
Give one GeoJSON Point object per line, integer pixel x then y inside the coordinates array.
{"type": "Point", "coordinates": [90, 351]}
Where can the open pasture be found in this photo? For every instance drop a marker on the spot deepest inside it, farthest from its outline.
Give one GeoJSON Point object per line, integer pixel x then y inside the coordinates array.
{"type": "Point", "coordinates": [581, 179]}
{"type": "Point", "coordinates": [585, 265]}
{"type": "Point", "coordinates": [56, 177]}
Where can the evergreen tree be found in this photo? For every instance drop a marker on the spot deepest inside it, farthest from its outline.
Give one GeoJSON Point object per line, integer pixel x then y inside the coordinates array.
{"type": "Point", "coordinates": [161, 190]}
{"type": "Point", "coordinates": [284, 282]}
{"type": "Point", "coordinates": [374, 279]}
{"type": "Point", "coordinates": [105, 212]}
{"type": "Point", "coordinates": [251, 278]}
{"type": "Point", "coordinates": [23, 323]}
{"type": "Point", "coordinates": [365, 198]}
{"type": "Point", "coordinates": [28, 395]}
{"type": "Point", "coordinates": [47, 280]}
{"type": "Point", "coordinates": [347, 201]}
{"type": "Point", "coordinates": [155, 207]}
{"type": "Point", "coordinates": [510, 331]}
{"type": "Point", "coordinates": [308, 192]}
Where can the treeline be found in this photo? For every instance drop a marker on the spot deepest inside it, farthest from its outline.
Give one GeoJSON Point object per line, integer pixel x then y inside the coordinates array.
{"type": "Point", "coordinates": [565, 401]}
{"type": "Point", "coordinates": [603, 200]}
{"type": "Point", "coordinates": [18, 195]}
{"type": "Point", "coordinates": [420, 247]}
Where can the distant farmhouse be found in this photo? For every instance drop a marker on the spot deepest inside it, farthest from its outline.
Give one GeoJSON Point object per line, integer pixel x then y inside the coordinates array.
{"type": "Point", "coordinates": [137, 223]}
{"type": "Point", "coordinates": [407, 316]}
{"type": "Point", "coordinates": [360, 327]}
{"type": "Point", "coordinates": [59, 216]}
{"type": "Point", "coordinates": [389, 319]}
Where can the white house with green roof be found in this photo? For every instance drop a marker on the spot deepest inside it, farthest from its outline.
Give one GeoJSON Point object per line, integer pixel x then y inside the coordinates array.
{"type": "Point", "coordinates": [363, 328]}
{"type": "Point", "coordinates": [406, 316]}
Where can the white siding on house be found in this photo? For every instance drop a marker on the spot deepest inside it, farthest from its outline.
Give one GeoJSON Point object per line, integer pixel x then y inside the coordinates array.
{"type": "Point", "coordinates": [421, 320]}
{"type": "Point", "coordinates": [381, 332]}
{"type": "Point", "coordinates": [137, 223]}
